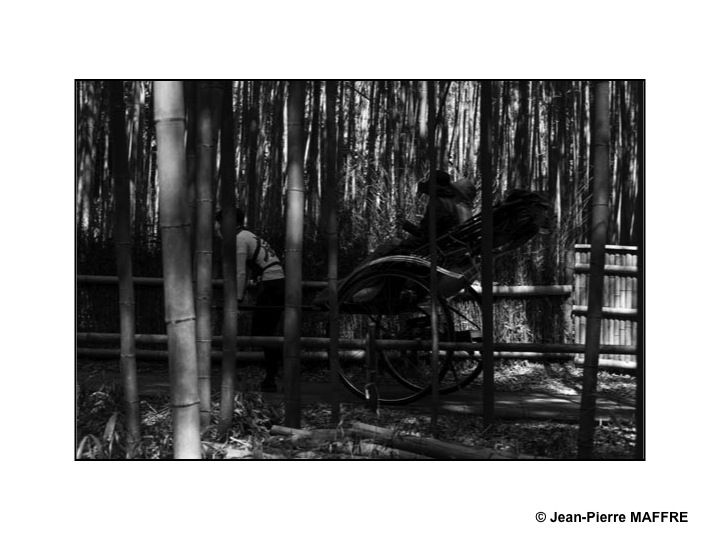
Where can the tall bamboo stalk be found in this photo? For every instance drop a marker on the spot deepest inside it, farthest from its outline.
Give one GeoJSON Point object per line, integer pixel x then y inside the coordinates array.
{"type": "Point", "coordinates": [179, 306]}
{"type": "Point", "coordinates": [522, 137]}
{"type": "Point", "coordinates": [190, 94]}
{"type": "Point", "coordinates": [313, 201]}
{"type": "Point", "coordinates": [252, 172]}
{"type": "Point", "coordinates": [487, 179]}
{"type": "Point", "coordinates": [640, 283]}
{"type": "Point", "coordinates": [272, 201]}
{"type": "Point", "coordinates": [207, 125]}
{"type": "Point", "coordinates": [601, 164]}
{"type": "Point", "coordinates": [123, 250]}
{"type": "Point", "coordinates": [330, 194]}
{"type": "Point", "coordinates": [432, 237]}
{"type": "Point", "coordinates": [229, 266]}
{"type": "Point", "coordinates": [293, 253]}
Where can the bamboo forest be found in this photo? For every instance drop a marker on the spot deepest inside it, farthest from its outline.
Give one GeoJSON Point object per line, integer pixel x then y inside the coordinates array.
{"type": "Point", "coordinates": [359, 269]}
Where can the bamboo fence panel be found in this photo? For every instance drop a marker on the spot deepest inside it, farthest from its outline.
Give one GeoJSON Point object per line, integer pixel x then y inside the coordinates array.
{"type": "Point", "coordinates": [619, 325]}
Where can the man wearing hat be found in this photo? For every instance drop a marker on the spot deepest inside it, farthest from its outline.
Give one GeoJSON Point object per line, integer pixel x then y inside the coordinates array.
{"type": "Point", "coordinates": [454, 206]}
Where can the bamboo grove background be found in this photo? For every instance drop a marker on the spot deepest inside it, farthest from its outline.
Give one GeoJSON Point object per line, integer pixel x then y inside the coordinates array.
{"type": "Point", "coordinates": [541, 141]}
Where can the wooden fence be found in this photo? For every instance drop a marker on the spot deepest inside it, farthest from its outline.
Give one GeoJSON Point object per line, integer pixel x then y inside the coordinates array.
{"type": "Point", "coordinates": [620, 310]}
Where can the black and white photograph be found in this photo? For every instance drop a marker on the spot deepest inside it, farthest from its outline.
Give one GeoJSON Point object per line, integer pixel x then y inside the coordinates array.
{"type": "Point", "coordinates": [360, 269]}
{"type": "Point", "coordinates": [331, 270]}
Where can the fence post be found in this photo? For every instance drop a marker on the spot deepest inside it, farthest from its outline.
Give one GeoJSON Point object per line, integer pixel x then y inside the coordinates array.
{"type": "Point", "coordinates": [569, 275]}
{"type": "Point", "coordinates": [371, 390]}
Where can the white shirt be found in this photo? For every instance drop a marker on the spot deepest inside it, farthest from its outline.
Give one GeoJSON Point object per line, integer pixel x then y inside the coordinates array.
{"type": "Point", "coordinates": [254, 252]}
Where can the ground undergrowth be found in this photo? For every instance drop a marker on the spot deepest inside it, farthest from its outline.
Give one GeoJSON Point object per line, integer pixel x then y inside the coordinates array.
{"type": "Point", "coordinates": [100, 420]}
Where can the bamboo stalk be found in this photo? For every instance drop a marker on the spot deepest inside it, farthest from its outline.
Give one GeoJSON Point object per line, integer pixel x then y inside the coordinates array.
{"type": "Point", "coordinates": [229, 263]}
{"type": "Point", "coordinates": [598, 239]}
{"type": "Point", "coordinates": [631, 284]}
{"type": "Point", "coordinates": [576, 297]}
{"type": "Point", "coordinates": [622, 280]}
{"type": "Point", "coordinates": [432, 157]}
{"type": "Point", "coordinates": [207, 131]}
{"type": "Point", "coordinates": [487, 179]}
{"type": "Point", "coordinates": [634, 284]}
{"type": "Point", "coordinates": [293, 252]}
{"type": "Point", "coordinates": [569, 277]}
{"type": "Point", "coordinates": [332, 239]}
{"type": "Point", "coordinates": [630, 297]}
{"type": "Point", "coordinates": [622, 303]}
{"type": "Point", "coordinates": [123, 250]}
{"type": "Point", "coordinates": [179, 305]}
{"type": "Point", "coordinates": [611, 285]}
{"type": "Point", "coordinates": [618, 299]}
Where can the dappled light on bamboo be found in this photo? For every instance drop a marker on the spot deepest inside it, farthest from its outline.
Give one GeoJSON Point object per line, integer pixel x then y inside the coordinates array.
{"type": "Point", "coordinates": [328, 173]}
{"type": "Point", "coordinates": [177, 271]}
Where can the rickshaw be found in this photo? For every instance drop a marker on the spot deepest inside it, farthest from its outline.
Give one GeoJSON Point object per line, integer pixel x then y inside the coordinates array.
{"type": "Point", "coordinates": [387, 302]}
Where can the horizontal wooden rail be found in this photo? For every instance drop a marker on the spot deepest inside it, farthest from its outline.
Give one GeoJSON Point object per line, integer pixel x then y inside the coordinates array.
{"type": "Point", "coordinates": [258, 356]}
{"type": "Point", "coordinates": [158, 281]}
{"type": "Point", "coordinates": [612, 248]}
{"type": "Point", "coordinates": [499, 291]}
{"type": "Point", "coordinates": [611, 364]}
{"type": "Point", "coordinates": [522, 291]}
{"type": "Point", "coordinates": [625, 314]}
{"type": "Point", "coordinates": [318, 342]}
{"type": "Point", "coordinates": [610, 270]}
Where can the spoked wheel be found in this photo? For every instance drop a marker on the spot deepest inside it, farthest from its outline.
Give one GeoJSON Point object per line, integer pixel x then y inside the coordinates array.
{"type": "Point", "coordinates": [456, 323]}
{"type": "Point", "coordinates": [397, 306]}
{"type": "Point", "coordinates": [465, 366]}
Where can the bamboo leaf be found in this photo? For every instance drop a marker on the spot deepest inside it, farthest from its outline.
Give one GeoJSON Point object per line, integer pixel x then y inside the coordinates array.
{"type": "Point", "coordinates": [94, 440]}
{"type": "Point", "coordinates": [110, 428]}
{"type": "Point", "coordinates": [238, 453]}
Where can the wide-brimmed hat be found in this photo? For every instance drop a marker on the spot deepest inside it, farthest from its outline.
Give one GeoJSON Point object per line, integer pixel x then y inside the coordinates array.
{"type": "Point", "coordinates": [442, 179]}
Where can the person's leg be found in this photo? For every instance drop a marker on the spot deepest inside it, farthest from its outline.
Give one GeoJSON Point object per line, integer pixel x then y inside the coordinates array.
{"type": "Point", "coordinates": [266, 322]}
{"type": "Point", "coordinates": [276, 298]}
{"type": "Point", "coordinates": [261, 326]}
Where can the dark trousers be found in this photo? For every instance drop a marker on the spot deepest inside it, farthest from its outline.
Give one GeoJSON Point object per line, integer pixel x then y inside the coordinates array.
{"type": "Point", "coordinates": [266, 321]}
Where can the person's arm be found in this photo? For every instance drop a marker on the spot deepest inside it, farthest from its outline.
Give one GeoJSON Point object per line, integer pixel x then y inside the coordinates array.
{"type": "Point", "coordinates": [412, 228]}
{"type": "Point", "coordinates": [241, 254]}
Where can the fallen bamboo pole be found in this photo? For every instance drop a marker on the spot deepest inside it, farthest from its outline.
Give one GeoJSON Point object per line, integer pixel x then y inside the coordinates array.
{"type": "Point", "coordinates": [431, 447]}
{"type": "Point", "coordinates": [351, 438]}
